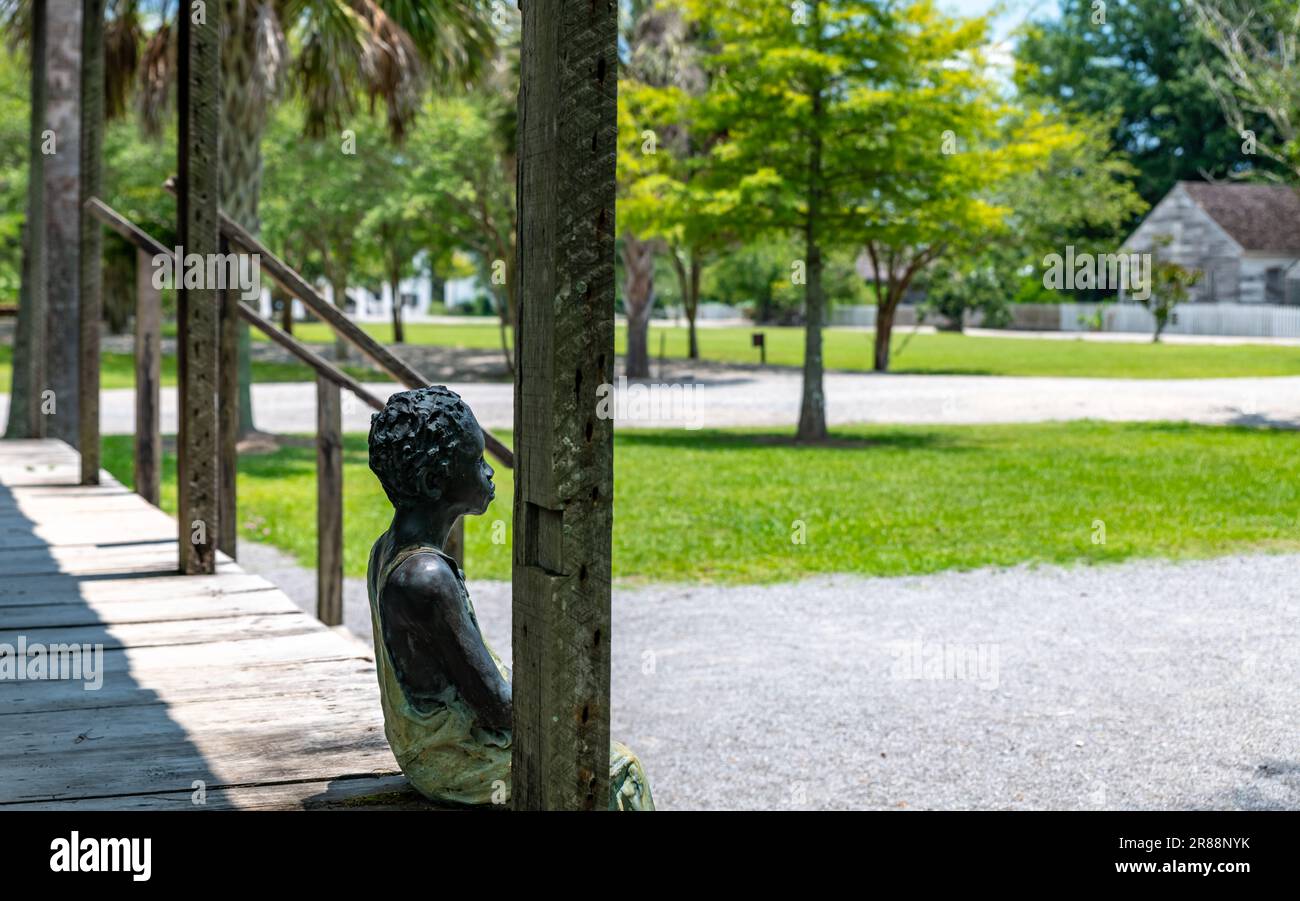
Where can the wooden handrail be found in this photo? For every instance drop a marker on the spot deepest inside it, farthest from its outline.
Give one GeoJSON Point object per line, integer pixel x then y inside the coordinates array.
{"type": "Point", "coordinates": [322, 366]}
{"type": "Point", "coordinates": [149, 245]}
{"type": "Point", "coordinates": [329, 441]}
{"type": "Point", "coordinates": [335, 318]}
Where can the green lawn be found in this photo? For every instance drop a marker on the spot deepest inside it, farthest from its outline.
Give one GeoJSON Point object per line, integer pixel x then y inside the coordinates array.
{"type": "Point", "coordinates": [850, 349]}
{"type": "Point", "coordinates": [845, 349]}
{"type": "Point", "coordinates": [723, 506]}
{"type": "Point", "coordinates": [117, 370]}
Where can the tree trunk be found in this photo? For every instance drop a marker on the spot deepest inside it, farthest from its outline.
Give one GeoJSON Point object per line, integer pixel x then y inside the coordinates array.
{"type": "Point", "coordinates": [638, 302]}
{"type": "Point", "coordinates": [884, 332]}
{"type": "Point", "coordinates": [286, 314]}
{"type": "Point", "coordinates": [29, 346]}
{"type": "Point", "coordinates": [693, 308]}
{"type": "Point", "coordinates": [63, 217]}
{"type": "Point", "coordinates": [812, 407]}
{"type": "Point", "coordinates": [244, 106]}
{"type": "Point", "coordinates": [399, 337]}
{"type": "Point", "coordinates": [688, 281]}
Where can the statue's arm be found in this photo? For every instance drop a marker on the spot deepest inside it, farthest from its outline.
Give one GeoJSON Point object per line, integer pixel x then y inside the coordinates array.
{"type": "Point", "coordinates": [432, 635]}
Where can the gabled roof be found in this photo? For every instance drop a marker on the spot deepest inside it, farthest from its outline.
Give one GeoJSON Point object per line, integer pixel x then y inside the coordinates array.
{"type": "Point", "coordinates": [1261, 218]}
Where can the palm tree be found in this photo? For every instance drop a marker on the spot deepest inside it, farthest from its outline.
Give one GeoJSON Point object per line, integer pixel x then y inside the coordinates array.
{"type": "Point", "coordinates": [329, 53]}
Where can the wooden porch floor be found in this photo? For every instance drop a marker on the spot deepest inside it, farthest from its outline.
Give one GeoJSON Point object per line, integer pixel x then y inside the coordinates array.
{"type": "Point", "coordinates": [219, 680]}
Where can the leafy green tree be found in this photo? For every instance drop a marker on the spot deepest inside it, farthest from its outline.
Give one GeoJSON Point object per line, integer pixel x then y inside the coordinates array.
{"type": "Point", "coordinates": [319, 192]}
{"type": "Point", "coordinates": [1170, 285]}
{"type": "Point", "coordinates": [1080, 192]}
{"type": "Point", "coordinates": [1139, 61]}
{"type": "Point", "coordinates": [795, 94]}
{"type": "Point", "coordinates": [1254, 74]}
{"type": "Point", "coordinates": [395, 230]}
{"type": "Point", "coordinates": [15, 91]}
{"type": "Point", "coordinates": [325, 54]}
{"type": "Point", "coordinates": [464, 151]}
{"type": "Point", "coordinates": [658, 73]}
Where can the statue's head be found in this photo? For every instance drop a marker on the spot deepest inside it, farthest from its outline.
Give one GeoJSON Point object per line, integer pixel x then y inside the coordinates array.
{"type": "Point", "coordinates": [426, 447]}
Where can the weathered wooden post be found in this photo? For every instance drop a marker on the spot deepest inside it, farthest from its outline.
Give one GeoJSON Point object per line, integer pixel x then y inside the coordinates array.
{"type": "Point", "coordinates": [564, 476]}
{"type": "Point", "coordinates": [198, 475]}
{"type": "Point", "coordinates": [92, 235]}
{"type": "Point", "coordinates": [329, 503]}
{"type": "Point", "coordinates": [148, 377]}
{"type": "Point", "coordinates": [228, 410]}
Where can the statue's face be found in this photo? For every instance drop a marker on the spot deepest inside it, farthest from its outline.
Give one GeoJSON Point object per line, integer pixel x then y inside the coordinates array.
{"type": "Point", "coordinates": [472, 489]}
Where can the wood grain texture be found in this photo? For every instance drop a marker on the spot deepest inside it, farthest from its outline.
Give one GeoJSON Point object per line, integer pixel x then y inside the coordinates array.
{"type": "Point", "coordinates": [227, 415]}
{"type": "Point", "coordinates": [92, 237]}
{"type": "Point", "coordinates": [198, 314]}
{"type": "Point", "coordinates": [564, 474]}
{"type": "Point", "coordinates": [212, 679]}
{"type": "Point", "coordinates": [329, 503]}
{"type": "Point", "coordinates": [148, 381]}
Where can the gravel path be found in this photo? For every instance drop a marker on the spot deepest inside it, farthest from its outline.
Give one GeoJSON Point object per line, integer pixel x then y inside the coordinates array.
{"type": "Point", "coordinates": [747, 397]}
{"type": "Point", "coordinates": [1145, 685]}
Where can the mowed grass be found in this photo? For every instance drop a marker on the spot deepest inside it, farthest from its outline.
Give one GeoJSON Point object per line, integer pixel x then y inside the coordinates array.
{"type": "Point", "coordinates": [728, 506]}
{"type": "Point", "coordinates": [944, 353]}
{"type": "Point", "coordinates": [117, 370]}
{"type": "Point", "coordinates": [845, 349]}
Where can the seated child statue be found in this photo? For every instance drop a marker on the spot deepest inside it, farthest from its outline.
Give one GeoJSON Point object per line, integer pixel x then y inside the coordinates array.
{"type": "Point", "coordinates": [445, 694]}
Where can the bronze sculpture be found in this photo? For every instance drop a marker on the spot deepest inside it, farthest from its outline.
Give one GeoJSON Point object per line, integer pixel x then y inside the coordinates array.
{"type": "Point", "coordinates": [445, 693]}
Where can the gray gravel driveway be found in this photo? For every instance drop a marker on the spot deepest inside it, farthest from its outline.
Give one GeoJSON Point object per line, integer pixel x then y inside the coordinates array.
{"type": "Point", "coordinates": [1144, 685]}
{"type": "Point", "coordinates": [747, 397]}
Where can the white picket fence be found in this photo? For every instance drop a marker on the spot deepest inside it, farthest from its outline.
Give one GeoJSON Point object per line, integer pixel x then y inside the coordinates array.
{"type": "Point", "coordinates": [1226, 319]}
{"type": "Point", "coordinates": [1238, 320]}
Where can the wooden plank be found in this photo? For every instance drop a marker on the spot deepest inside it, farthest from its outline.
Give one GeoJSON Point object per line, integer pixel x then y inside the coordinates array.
{"type": "Point", "coordinates": [267, 602]}
{"type": "Point", "coordinates": [132, 750]}
{"type": "Point", "coordinates": [172, 632]}
{"type": "Point", "coordinates": [136, 526]}
{"type": "Point", "coordinates": [217, 678]}
{"type": "Point", "coordinates": [27, 446]}
{"type": "Point", "coordinates": [349, 793]}
{"type": "Point", "coordinates": [329, 503]}
{"type": "Point", "coordinates": [181, 590]}
{"type": "Point", "coordinates": [148, 381]}
{"type": "Point", "coordinates": [322, 681]}
{"type": "Point", "coordinates": [157, 666]}
{"type": "Point", "coordinates": [228, 415]}
{"type": "Point", "coordinates": [92, 237]}
{"type": "Point", "coordinates": [88, 559]}
{"type": "Point", "coordinates": [564, 480]}
{"type": "Point", "coordinates": [198, 468]}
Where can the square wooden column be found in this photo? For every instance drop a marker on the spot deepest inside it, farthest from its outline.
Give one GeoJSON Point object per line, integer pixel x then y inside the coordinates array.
{"type": "Point", "coordinates": [92, 235]}
{"type": "Point", "coordinates": [198, 309]}
{"type": "Point", "coordinates": [564, 453]}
